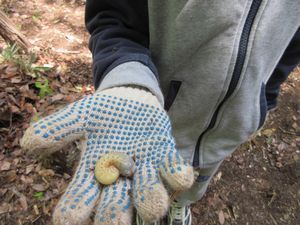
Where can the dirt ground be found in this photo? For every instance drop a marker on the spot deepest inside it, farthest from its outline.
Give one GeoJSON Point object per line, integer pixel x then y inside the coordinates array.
{"type": "Point", "coordinates": [258, 185]}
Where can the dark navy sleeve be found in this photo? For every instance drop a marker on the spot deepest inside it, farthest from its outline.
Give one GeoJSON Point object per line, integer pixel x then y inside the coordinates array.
{"type": "Point", "coordinates": [119, 34]}
{"type": "Point", "coordinates": [289, 61]}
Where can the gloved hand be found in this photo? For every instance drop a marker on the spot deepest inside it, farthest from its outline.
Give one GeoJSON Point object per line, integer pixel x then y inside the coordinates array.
{"type": "Point", "coordinates": [121, 119]}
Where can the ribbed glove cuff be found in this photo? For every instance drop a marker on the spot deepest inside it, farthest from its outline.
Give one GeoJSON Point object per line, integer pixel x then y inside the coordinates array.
{"type": "Point", "coordinates": [135, 93]}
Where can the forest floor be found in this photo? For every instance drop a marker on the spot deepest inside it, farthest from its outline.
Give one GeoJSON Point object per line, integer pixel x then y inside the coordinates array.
{"type": "Point", "coordinates": [258, 185]}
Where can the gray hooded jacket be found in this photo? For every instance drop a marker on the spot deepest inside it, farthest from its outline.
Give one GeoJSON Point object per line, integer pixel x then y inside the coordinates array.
{"type": "Point", "coordinates": [213, 58]}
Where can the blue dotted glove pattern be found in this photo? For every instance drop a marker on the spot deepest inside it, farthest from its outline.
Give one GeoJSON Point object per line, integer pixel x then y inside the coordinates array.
{"type": "Point", "coordinates": [111, 124]}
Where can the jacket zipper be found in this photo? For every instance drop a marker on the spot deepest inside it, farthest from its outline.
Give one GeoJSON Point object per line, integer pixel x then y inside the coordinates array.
{"type": "Point", "coordinates": [241, 55]}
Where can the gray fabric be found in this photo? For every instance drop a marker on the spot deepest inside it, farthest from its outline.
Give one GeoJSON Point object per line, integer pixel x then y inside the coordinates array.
{"type": "Point", "coordinates": [196, 42]}
{"type": "Point", "coordinates": [132, 73]}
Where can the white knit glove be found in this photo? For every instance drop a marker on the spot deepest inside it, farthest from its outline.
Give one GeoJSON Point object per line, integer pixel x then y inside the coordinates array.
{"type": "Point", "coordinates": [121, 119]}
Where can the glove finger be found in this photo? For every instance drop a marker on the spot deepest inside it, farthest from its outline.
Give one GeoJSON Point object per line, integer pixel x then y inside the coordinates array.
{"type": "Point", "coordinates": [78, 201]}
{"type": "Point", "coordinates": [55, 131]}
{"type": "Point", "coordinates": [178, 174]}
{"type": "Point", "coordinates": [115, 206]}
{"type": "Point", "coordinates": [150, 197]}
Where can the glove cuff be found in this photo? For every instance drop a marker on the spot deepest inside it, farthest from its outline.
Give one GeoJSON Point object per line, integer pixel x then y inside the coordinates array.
{"type": "Point", "coordinates": [135, 93]}
{"type": "Point", "coordinates": [132, 73]}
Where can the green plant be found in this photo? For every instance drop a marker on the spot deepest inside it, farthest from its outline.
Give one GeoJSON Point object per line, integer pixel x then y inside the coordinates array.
{"type": "Point", "coordinates": [29, 67]}
{"type": "Point", "coordinates": [10, 53]}
{"type": "Point", "coordinates": [38, 195]}
{"type": "Point", "coordinates": [43, 87]}
{"type": "Point", "coordinates": [36, 16]}
{"type": "Point", "coordinates": [26, 63]}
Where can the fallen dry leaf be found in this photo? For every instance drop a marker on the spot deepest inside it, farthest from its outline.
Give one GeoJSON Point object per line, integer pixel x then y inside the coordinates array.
{"type": "Point", "coordinates": [70, 98]}
{"type": "Point", "coordinates": [16, 161]}
{"type": "Point", "coordinates": [40, 187]}
{"type": "Point", "coordinates": [295, 126]}
{"type": "Point", "coordinates": [57, 97]}
{"type": "Point", "coordinates": [3, 191]}
{"type": "Point", "coordinates": [10, 176]}
{"type": "Point", "coordinates": [4, 166]}
{"type": "Point", "coordinates": [14, 109]}
{"type": "Point", "coordinates": [29, 169]}
{"type": "Point", "coordinates": [218, 177]}
{"type": "Point", "coordinates": [26, 179]}
{"type": "Point", "coordinates": [221, 217]}
{"type": "Point", "coordinates": [23, 202]}
{"type": "Point", "coordinates": [16, 80]}
{"type": "Point", "coordinates": [29, 108]}
{"type": "Point", "coordinates": [282, 146]}
{"type": "Point", "coordinates": [5, 207]}
{"type": "Point", "coordinates": [38, 167]}
{"type": "Point", "coordinates": [46, 173]}
{"type": "Point", "coordinates": [66, 176]}
{"type": "Point", "coordinates": [268, 132]}
{"type": "Point", "coordinates": [10, 71]}
{"type": "Point", "coordinates": [22, 198]}
{"type": "Point", "coordinates": [196, 210]}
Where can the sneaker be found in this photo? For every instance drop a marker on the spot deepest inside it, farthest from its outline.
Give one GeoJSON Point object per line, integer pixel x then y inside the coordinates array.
{"type": "Point", "coordinates": [179, 215]}
{"type": "Point", "coordinates": [140, 221]}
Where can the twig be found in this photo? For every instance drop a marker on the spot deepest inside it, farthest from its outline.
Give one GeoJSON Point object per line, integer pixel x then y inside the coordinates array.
{"type": "Point", "coordinates": [274, 195]}
{"type": "Point", "coordinates": [10, 34]}
{"type": "Point", "coordinates": [274, 221]}
{"type": "Point", "coordinates": [286, 132]}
